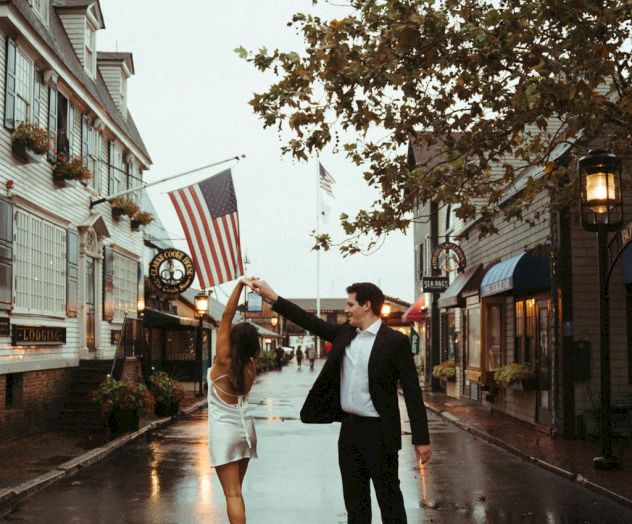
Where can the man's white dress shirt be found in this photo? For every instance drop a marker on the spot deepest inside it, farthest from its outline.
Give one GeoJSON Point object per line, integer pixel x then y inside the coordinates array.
{"type": "Point", "coordinates": [354, 376]}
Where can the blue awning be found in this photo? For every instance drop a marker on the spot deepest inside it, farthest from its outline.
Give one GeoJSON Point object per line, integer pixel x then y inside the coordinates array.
{"type": "Point", "coordinates": [523, 274]}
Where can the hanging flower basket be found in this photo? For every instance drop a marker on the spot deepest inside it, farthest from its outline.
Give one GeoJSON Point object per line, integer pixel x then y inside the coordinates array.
{"type": "Point", "coordinates": [141, 218]}
{"type": "Point", "coordinates": [30, 143]}
{"type": "Point", "coordinates": [123, 206]}
{"type": "Point", "coordinates": [70, 169]}
{"type": "Point", "coordinates": [59, 179]}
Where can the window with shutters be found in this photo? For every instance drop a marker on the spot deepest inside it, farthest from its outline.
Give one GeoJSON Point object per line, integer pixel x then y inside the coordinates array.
{"type": "Point", "coordinates": [73, 140]}
{"type": "Point", "coordinates": [40, 265]}
{"type": "Point", "coordinates": [23, 87]}
{"type": "Point", "coordinates": [94, 146]}
{"type": "Point", "coordinates": [125, 285]}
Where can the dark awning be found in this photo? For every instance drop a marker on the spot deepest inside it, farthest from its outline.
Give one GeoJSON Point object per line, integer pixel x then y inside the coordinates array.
{"type": "Point", "coordinates": [469, 279]}
{"type": "Point", "coordinates": [155, 318]}
{"type": "Point", "coordinates": [627, 264]}
{"type": "Point", "coordinates": [523, 274]}
{"type": "Point", "coordinates": [416, 312]}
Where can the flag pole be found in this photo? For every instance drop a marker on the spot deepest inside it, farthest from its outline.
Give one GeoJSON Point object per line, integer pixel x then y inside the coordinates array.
{"type": "Point", "coordinates": [318, 250]}
{"type": "Point", "coordinates": [145, 185]}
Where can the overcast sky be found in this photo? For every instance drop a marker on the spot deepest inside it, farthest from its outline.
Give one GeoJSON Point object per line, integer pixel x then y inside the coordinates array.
{"type": "Point", "coordinates": [189, 99]}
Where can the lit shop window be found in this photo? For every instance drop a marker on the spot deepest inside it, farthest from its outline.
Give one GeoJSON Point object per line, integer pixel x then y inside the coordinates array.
{"type": "Point", "coordinates": [125, 285]}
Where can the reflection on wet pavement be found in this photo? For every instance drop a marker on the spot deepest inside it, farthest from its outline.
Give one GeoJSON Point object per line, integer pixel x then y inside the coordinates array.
{"type": "Point", "coordinates": [168, 479]}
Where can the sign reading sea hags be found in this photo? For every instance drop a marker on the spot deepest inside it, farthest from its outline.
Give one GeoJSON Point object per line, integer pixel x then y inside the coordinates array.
{"type": "Point", "coordinates": [172, 271]}
{"type": "Point", "coordinates": [37, 336]}
{"type": "Point", "coordinates": [435, 284]}
{"type": "Point", "coordinates": [617, 245]}
{"type": "Point", "coordinates": [448, 257]}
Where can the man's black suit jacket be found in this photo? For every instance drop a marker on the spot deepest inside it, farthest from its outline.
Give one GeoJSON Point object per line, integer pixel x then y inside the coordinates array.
{"type": "Point", "coordinates": [391, 361]}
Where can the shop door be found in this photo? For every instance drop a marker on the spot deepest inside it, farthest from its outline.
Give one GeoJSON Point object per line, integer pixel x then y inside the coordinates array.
{"type": "Point", "coordinates": [90, 300]}
{"type": "Point", "coordinates": [543, 365]}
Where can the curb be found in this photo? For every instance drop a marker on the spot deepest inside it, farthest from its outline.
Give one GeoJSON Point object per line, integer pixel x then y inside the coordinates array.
{"type": "Point", "coordinates": [569, 475]}
{"type": "Point", "coordinates": [9, 496]}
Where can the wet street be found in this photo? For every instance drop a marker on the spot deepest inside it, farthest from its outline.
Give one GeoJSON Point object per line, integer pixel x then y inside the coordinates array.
{"type": "Point", "coordinates": [167, 478]}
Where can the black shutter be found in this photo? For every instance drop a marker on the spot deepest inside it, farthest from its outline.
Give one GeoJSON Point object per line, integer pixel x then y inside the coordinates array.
{"type": "Point", "coordinates": [6, 255]}
{"type": "Point", "coordinates": [108, 283]}
{"type": "Point", "coordinates": [63, 144]}
{"type": "Point", "coordinates": [84, 140]}
{"type": "Point", "coordinates": [111, 179]}
{"type": "Point", "coordinates": [9, 86]}
{"type": "Point", "coordinates": [37, 90]}
{"type": "Point", "coordinates": [72, 272]}
{"type": "Point", "coordinates": [421, 261]}
{"type": "Point", "coordinates": [52, 122]}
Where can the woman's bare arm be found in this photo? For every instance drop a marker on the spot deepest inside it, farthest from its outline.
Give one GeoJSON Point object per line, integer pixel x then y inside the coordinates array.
{"type": "Point", "coordinates": [222, 347]}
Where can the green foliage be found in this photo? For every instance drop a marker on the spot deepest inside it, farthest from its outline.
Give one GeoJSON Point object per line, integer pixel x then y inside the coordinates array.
{"type": "Point", "coordinates": [473, 83]}
{"type": "Point", "coordinates": [123, 395]}
{"type": "Point", "coordinates": [71, 168]}
{"type": "Point", "coordinates": [33, 137]}
{"type": "Point", "coordinates": [164, 388]}
{"type": "Point", "coordinates": [507, 375]}
{"type": "Point", "coordinates": [446, 369]}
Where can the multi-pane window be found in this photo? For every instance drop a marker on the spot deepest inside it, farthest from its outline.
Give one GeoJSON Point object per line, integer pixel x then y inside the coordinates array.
{"type": "Point", "coordinates": [474, 337]}
{"type": "Point", "coordinates": [125, 285]}
{"type": "Point", "coordinates": [73, 139]}
{"type": "Point", "coordinates": [493, 333]}
{"type": "Point", "coordinates": [23, 87]}
{"type": "Point", "coordinates": [117, 171]}
{"type": "Point", "coordinates": [40, 265]}
{"type": "Point", "coordinates": [525, 330]}
{"type": "Point", "coordinates": [41, 8]}
{"type": "Point", "coordinates": [94, 147]}
{"type": "Point", "coordinates": [90, 45]}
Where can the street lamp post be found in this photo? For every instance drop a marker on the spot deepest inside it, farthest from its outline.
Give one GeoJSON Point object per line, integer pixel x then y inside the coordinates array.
{"type": "Point", "coordinates": [201, 308]}
{"type": "Point", "coordinates": [601, 207]}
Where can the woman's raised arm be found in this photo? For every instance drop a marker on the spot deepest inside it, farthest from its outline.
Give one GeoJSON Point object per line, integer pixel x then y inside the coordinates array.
{"type": "Point", "coordinates": [222, 347]}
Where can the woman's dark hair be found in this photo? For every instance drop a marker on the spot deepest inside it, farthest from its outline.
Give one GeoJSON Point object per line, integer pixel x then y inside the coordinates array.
{"type": "Point", "coordinates": [366, 291]}
{"type": "Point", "coordinates": [244, 344]}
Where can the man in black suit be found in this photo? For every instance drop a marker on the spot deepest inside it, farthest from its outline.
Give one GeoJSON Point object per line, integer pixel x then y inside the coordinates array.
{"type": "Point", "coordinates": [358, 387]}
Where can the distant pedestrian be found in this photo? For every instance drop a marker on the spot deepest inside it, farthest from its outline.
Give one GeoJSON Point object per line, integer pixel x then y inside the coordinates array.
{"type": "Point", "coordinates": [311, 355]}
{"type": "Point", "coordinates": [278, 357]}
{"type": "Point", "coordinates": [299, 356]}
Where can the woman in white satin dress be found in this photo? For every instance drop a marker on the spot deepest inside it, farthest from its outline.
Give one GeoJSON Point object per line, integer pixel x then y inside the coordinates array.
{"type": "Point", "coordinates": [231, 431]}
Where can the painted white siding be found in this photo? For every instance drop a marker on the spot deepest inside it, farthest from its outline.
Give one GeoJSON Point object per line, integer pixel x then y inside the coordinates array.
{"type": "Point", "coordinates": [74, 24]}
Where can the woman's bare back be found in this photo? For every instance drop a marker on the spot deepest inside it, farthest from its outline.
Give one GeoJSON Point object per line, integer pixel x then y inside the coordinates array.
{"type": "Point", "coordinates": [224, 388]}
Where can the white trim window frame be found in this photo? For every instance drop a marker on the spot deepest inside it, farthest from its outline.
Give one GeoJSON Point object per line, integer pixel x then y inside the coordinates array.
{"type": "Point", "coordinates": [24, 77]}
{"type": "Point", "coordinates": [90, 47]}
{"type": "Point", "coordinates": [40, 265]}
{"type": "Point", "coordinates": [73, 144]}
{"type": "Point", "coordinates": [125, 293]}
{"type": "Point", "coordinates": [94, 149]}
{"type": "Point", "coordinates": [41, 8]}
{"type": "Point", "coordinates": [119, 174]}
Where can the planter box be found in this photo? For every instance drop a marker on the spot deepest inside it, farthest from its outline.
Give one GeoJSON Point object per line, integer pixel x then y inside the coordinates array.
{"type": "Point", "coordinates": [123, 421]}
{"type": "Point", "coordinates": [523, 385]}
{"type": "Point", "coordinates": [25, 153]}
{"type": "Point", "coordinates": [167, 409]}
{"type": "Point", "coordinates": [59, 180]}
{"type": "Point", "coordinates": [135, 225]}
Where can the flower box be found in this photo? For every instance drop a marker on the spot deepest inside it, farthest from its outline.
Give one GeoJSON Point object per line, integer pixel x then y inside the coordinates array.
{"type": "Point", "coordinates": [69, 169]}
{"type": "Point", "coordinates": [526, 384]}
{"type": "Point", "coordinates": [135, 224]}
{"type": "Point", "coordinates": [25, 153]}
{"type": "Point", "coordinates": [59, 179]}
{"type": "Point", "coordinates": [123, 421]}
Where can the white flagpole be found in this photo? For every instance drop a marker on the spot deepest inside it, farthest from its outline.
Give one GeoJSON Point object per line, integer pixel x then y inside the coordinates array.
{"type": "Point", "coordinates": [318, 250]}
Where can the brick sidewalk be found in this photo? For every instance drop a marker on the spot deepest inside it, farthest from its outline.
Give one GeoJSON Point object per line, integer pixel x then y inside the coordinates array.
{"type": "Point", "coordinates": [37, 454]}
{"type": "Point", "coordinates": [570, 458]}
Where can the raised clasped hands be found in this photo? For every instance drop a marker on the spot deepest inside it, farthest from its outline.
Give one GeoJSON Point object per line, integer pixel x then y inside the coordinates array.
{"type": "Point", "coordinates": [262, 288]}
{"type": "Point", "coordinates": [248, 281]}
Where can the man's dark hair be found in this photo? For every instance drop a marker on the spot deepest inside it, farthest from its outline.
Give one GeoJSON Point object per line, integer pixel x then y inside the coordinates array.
{"type": "Point", "coordinates": [366, 291]}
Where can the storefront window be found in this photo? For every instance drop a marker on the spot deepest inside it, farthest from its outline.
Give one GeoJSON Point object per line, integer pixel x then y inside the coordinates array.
{"type": "Point", "coordinates": [525, 330]}
{"type": "Point", "coordinates": [494, 336]}
{"type": "Point", "coordinates": [474, 337]}
{"type": "Point", "coordinates": [449, 333]}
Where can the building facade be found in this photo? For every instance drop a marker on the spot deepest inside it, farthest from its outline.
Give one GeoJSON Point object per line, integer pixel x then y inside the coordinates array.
{"type": "Point", "coordinates": [526, 295]}
{"type": "Point", "coordinates": [70, 273]}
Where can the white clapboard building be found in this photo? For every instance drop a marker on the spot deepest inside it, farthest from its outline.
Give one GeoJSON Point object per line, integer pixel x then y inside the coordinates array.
{"type": "Point", "coordinates": [69, 271]}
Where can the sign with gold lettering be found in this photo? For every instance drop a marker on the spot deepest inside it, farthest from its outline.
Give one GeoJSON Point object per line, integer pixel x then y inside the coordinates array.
{"type": "Point", "coordinates": [448, 257]}
{"type": "Point", "coordinates": [172, 271]}
{"type": "Point", "coordinates": [617, 245]}
{"type": "Point", "coordinates": [37, 335]}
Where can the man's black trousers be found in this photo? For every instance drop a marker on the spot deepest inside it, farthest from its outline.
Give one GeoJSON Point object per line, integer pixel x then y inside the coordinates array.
{"type": "Point", "coordinates": [363, 458]}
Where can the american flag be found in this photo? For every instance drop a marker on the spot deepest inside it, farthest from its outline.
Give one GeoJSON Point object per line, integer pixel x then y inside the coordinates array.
{"type": "Point", "coordinates": [326, 180]}
{"type": "Point", "coordinates": [208, 214]}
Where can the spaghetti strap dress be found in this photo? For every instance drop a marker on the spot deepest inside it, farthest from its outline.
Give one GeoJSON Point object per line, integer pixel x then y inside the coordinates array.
{"type": "Point", "coordinates": [231, 427]}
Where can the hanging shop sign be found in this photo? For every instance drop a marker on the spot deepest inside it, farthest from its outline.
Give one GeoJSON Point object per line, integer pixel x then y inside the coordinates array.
{"type": "Point", "coordinates": [616, 246]}
{"type": "Point", "coordinates": [448, 257]}
{"type": "Point", "coordinates": [414, 341]}
{"type": "Point", "coordinates": [37, 336]}
{"type": "Point", "coordinates": [171, 271]}
{"type": "Point", "coordinates": [435, 284]}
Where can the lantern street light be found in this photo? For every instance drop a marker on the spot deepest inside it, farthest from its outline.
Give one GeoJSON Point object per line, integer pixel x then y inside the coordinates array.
{"type": "Point", "coordinates": [201, 309]}
{"type": "Point", "coordinates": [140, 306]}
{"type": "Point", "coordinates": [273, 322]}
{"type": "Point", "coordinates": [601, 207]}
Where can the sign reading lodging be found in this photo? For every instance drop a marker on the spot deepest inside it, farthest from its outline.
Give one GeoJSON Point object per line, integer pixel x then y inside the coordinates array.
{"type": "Point", "coordinates": [37, 336]}
{"type": "Point", "coordinates": [435, 284]}
{"type": "Point", "coordinates": [448, 257]}
{"type": "Point", "coordinates": [414, 341]}
{"type": "Point", "coordinates": [172, 271]}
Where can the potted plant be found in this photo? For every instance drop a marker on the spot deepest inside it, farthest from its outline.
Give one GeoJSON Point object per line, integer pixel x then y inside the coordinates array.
{"type": "Point", "coordinates": [445, 371]}
{"type": "Point", "coordinates": [66, 168]}
{"type": "Point", "coordinates": [517, 376]}
{"type": "Point", "coordinates": [123, 206]}
{"type": "Point", "coordinates": [30, 142]}
{"type": "Point", "coordinates": [168, 393]}
{"type": "Point", "coordinates": [142, 218]}
{"type": "Point", "coordinates": [121, 403]}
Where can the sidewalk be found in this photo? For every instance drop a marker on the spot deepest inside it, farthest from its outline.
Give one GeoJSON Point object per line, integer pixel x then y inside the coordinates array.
{"type": "Point", "coordinates": [40, 459]}
{"type": "Point", "coordinates": [569, 458]}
